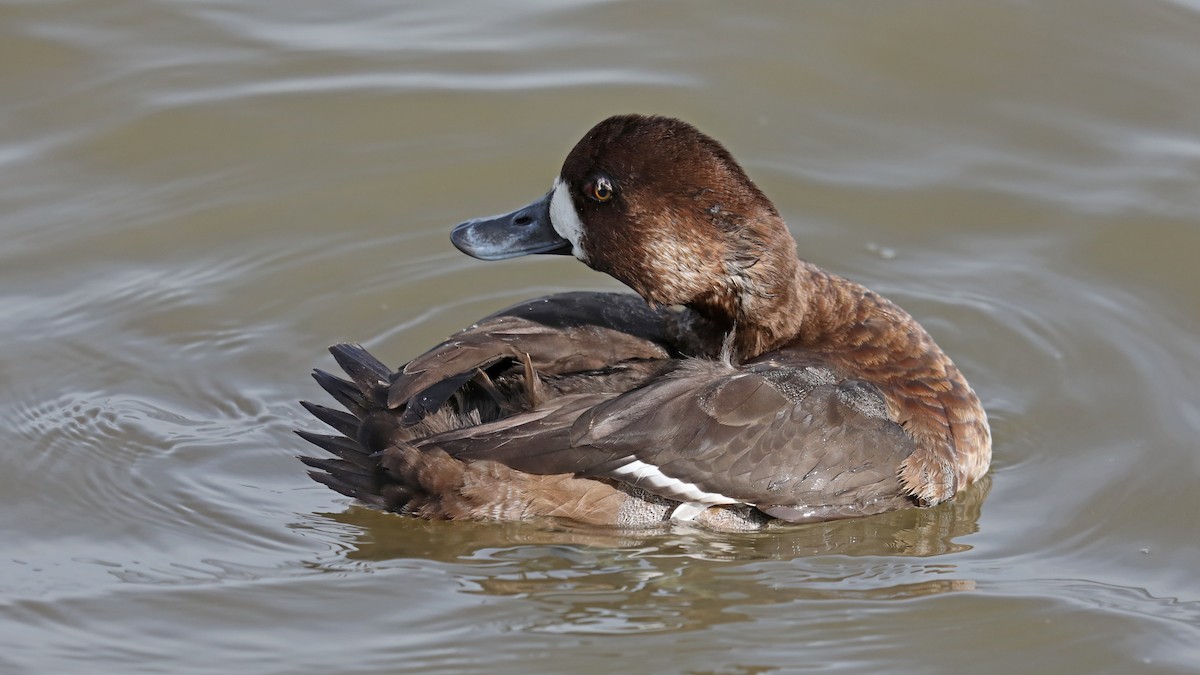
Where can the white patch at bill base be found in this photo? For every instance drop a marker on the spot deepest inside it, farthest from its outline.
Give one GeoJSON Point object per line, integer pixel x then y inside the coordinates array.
{"type": "Point", "coordinates": [565, 219]}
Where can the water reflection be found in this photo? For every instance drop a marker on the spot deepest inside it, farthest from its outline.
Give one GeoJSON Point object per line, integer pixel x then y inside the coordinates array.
{"type": "Point", "coordinates": [912, 532]}
{"type": "Point", "coordinates": [604, 581]}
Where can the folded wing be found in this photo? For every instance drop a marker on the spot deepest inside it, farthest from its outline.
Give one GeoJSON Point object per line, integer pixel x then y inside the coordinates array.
{"type": "Point", "coordinates": [788, 437]}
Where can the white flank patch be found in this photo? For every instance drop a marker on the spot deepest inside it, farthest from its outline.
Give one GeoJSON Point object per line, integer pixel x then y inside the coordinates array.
{"type": "Point", "coordinates": [565, 218]}
{"type": "Point", "coordinates": [642, 474]}
{"type": "Point", "coordinates": [687, 511]}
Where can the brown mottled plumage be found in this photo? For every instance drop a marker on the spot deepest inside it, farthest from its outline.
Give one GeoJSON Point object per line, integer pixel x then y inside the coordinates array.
{"type": "Point", "coordinates": [777, 390]}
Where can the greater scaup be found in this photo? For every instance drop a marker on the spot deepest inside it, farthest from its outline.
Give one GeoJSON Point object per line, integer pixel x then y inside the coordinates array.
{"type": "Point", "coordinates": [740, 385]}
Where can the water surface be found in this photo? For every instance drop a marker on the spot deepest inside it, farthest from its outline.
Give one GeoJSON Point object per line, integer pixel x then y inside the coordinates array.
{"type": "Point", "coordinates": [199, 196]}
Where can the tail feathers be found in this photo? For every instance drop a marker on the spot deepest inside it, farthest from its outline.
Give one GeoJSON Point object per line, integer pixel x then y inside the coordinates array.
{"type": "Point", "coordinates": [374, 462]}
{"type": "Point", "coordinates": [346, 393]}
{"type": "Point", "coordinates": [356, 472]}
{"type": "Point", "coordinates": [353, 485]}
{"type": "Point", "coordinates": [340, 468]}
{"type": "Point", "coordinates": [341, 446]}
{"type": "Point", "coordinates": [367, 371]}
{"type": "Point", "coordinates": [341, 421]}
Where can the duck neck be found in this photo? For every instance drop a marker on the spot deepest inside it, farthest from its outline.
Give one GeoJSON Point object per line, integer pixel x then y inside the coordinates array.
{"type": "Point", "coordinates": [765, 300]}
{"type": "Point", "coordinates": [796, 303]}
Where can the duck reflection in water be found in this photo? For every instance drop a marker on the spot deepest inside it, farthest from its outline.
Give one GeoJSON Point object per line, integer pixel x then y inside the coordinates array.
{"type": "Point", "coordinates": [604, 580]}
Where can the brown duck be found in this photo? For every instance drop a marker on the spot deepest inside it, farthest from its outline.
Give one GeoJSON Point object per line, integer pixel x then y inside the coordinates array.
{"type": "Point", "coordinates": [743, 385]}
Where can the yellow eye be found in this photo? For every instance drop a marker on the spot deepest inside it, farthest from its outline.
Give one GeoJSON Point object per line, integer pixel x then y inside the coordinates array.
{"type": "Point", "coordinates": [602, 190]}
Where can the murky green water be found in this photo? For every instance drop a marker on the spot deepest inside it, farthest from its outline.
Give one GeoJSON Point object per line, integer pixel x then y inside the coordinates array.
{"type": "Point", "coordinates": [196, 197]}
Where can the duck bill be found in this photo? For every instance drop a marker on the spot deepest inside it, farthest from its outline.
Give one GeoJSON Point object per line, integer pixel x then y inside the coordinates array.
{"type": "Point", "coordinates": [526, 231]}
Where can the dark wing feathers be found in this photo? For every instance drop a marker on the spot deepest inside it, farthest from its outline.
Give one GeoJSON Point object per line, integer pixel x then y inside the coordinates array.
{"type": "Point", "coordinates": [429, 399]}
{"type": "Point", "coordinates": [574, 332]}
{"type": "Point", "coordinates": [727, 431]}
{"type": "Point", "coordinates": [535, 442]}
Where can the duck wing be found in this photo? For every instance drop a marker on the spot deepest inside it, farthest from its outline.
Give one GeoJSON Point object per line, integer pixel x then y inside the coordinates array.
{"type": "Point", "coordinates": [563, 333]}
{"type": "Point", "coordinates": [785, 434]}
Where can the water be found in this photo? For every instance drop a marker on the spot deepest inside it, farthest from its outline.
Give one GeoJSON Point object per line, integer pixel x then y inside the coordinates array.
{"type": "Point", "coordinates": [199, 196]}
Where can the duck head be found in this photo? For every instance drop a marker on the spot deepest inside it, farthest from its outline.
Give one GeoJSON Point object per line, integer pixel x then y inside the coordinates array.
{"type": "Point", "coordinates": [664, 209]}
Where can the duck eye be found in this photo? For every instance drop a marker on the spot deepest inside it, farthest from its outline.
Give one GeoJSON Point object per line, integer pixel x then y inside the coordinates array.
{"type": "Point", "coordinates": [601, 190]}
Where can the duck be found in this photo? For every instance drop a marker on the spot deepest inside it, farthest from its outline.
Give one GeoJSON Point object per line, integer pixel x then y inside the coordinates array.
{"type": "Point", "coordinates": [738, 387]}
